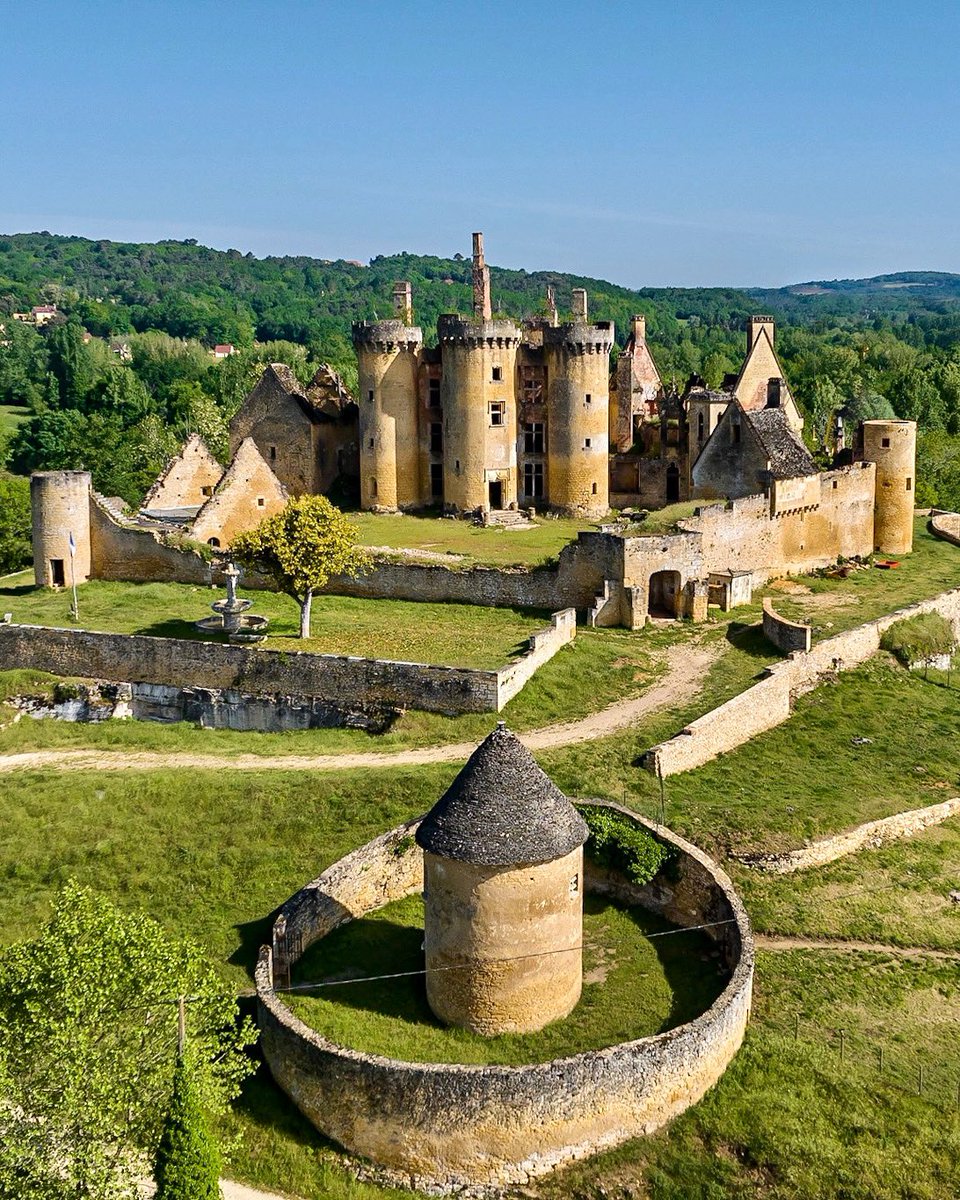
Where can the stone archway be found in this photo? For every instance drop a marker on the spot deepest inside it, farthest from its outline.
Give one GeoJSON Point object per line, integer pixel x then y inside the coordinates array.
{"type": "Point", "coordinates": [664, 594]}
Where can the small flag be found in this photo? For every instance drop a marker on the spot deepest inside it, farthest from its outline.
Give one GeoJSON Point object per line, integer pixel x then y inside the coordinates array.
{"type": "Point", "coordinates": [72, 544]}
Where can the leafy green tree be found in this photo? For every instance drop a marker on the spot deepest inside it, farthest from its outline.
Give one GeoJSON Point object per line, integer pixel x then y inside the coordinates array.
{"type": "Point", "coordinates": [15, 532]}
{"type": "Point", "coordinates": [188, 1165]}
{"type": "Point", "coordinates": [71, 364]}
{"type": "Point", "coordinates": [301, 547]}
{"type": "Point", "coordinates": [23, 364]}
{"type": "Point", "coordinates": [88, 1033]}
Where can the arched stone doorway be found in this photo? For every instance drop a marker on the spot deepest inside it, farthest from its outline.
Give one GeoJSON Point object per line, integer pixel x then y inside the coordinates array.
{"type": "Point", "coordinates": [664, 594]}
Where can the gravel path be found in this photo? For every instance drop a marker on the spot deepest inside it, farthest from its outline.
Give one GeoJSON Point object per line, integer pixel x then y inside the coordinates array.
{"type": "Point", "coordinates": [687, 665]}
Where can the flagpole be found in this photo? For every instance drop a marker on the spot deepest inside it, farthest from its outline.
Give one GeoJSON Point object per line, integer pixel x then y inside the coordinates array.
{"type": "Point", "coordinates": [72, 546]}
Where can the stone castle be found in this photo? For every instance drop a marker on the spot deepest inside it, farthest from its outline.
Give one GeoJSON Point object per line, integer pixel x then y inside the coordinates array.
{"type": "Point", "coordinates": [503, 415]}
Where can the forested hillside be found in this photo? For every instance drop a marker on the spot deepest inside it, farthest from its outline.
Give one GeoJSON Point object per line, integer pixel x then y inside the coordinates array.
{"type": "Point", "coordinates": [124, 372]}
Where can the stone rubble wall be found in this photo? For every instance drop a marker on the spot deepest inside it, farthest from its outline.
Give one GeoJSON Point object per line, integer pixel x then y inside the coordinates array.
{"type": "Point", "coordinates": [946, 525]}
{"type": "Point", "coordinates": [785, 634]}
{"type": "Point", "coordinates": [511, 1123]}
{"type": "Point", "coordinates": [870, 836]}
{"type": "Point", "coordinates": [242, 687]}
{"type": "Point", "coordinates": [770, 702]}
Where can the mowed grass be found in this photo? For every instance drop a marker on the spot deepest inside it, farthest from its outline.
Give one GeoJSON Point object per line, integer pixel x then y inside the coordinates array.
{"type": "Point", "coordinates": [12, 416]}
{"type": "Point", "coordinates": [633, 987]}
{"type": "Point", "coordinates": [494, 546]}
{"type": "Point", "coordinates": [834, 605]}
{"type": "Point", "coordinates": [447, 634]}
{"type": "Point", "coordinates": [790, 1119]}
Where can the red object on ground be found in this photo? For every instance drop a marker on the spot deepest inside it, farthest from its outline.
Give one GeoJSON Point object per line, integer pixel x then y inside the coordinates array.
{"type": "Point", "coordinates": [886, 564]}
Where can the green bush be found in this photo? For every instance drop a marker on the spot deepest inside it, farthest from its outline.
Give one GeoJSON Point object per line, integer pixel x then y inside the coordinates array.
{"type": "Point", "coordinates": [617, 843]}
{"type": "Point", "coordinates": [915, 639]}
{"type": "Point", "coordinates": [188, 1164]}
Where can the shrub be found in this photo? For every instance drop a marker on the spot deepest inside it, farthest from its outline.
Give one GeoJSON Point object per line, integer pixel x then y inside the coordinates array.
{"type": "Point", "coordinates": [617, 843]}
{"type": "Point", "coordinates": [916, 639]}
{"type": "Point", "coordinates": [188, 1165]}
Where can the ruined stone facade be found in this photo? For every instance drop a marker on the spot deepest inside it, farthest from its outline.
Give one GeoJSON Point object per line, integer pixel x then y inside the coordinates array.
{"type": "Point", "coordinates": [248, 493]}
{"type": "Point", "coordinates": [187, 481]}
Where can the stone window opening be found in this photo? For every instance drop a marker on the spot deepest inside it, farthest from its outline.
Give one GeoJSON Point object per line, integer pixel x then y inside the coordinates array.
{"type": "Point", "coordinates": [433, 393]}
{"type": "Point", "coordinates": [498, 412]}
{"type": "Point", "coordinates": [497, 374]}
{"type": "Point", "coordinates": [834, 485]}
{"type": "Point", "coordinates": [533, 480]}
{"type": "Point", "coordinates": [371, 443]}
{"type": "Point", "coordinates": [699, 427]}
{"type": "Point", "coordinates": [587, 443]}
{"type": "Point", "coordinates": [373, 487]}
{"type": "Point", "coordinates": [206, 491]}
{"type": "Point", "coordinates": [575, 885]}
{"type": "Point", "coordinates": [909, 483]}
{"type": "Point", "coordinates": [214, 541]}
{"type": "Point", "coordinates": [533, 440]}
{"type": "Point", "coordinates": [885, 443]}
{"type": "Point", "coordinates": [370, 395]}
{"type": "Point", "coordinates": [736, 433]}
{"type": "Point", "coordinates": [436, 437]}
{"type": "Point", "coordinates": [456, 466]}
{"type": "Point", "coordinates": [273, 454]}
{"type": "Point", "coordinates": [261, 502]}
{"type": "Point", "coordinates": [593, 489]}
{"type": "Point", "coordinates": [587, 398]}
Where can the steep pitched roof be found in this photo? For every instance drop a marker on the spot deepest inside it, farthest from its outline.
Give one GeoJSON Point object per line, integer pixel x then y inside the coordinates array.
{"type": "Point", "coordinates": [787, 454]}
{"type": "Point", "coordinates": [502, 810]}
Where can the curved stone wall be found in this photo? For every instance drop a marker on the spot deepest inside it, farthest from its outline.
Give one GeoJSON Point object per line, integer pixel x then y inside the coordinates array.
{"type": "Point", "coordinates": [446, 1125]}
{"type": "Point", "coordinates": [785, 634]}
{"type": "Point", "coordinates": [946, 525]}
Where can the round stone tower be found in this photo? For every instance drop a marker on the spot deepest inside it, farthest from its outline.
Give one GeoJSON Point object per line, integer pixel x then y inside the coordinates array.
{"type": "Point", "coordinates": [577, 357]}
{"type": "Point", "coordinates": [478, 394]}
{"type": "Point", "coordinates": [60, 504]}
{"type": "Point", "coordinates": [387, 361]}
{"type": "Point", "coordinates": [892, 445]}
{"type": "Point", "coordinates": [503, 894]}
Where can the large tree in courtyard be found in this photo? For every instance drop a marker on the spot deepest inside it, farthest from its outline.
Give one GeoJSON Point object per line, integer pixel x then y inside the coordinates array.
{"type": "Point", "coordinates": [301, 547]}
{"type": "Point", "coordinates": [88, 1047]}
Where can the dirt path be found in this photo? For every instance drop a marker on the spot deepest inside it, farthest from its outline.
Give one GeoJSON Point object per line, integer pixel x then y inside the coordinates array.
{"type": "Point", "coordinates": [687, 665]}
{"type": "Point", "coordinates": [770, 941]}
{"type": "Point", "coordinates": [239, 1191]}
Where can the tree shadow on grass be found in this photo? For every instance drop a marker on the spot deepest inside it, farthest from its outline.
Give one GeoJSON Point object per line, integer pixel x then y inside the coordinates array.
{"type": "Point", "coordinates": [252, 935]}
{"type": "Point", "coordinates": [175, 627]}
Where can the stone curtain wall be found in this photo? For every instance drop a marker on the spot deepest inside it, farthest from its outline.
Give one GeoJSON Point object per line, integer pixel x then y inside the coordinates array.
{"type": "Point", "coordinates": [770, 702]}
{"type": "Point", "coordinates": [353, 684]}
{"type": "Point", "coordinates": [512, 1123]}
{"type": "Point", "coordinates": [544, 644]}
{"type": "Point", "coordinates": [784, 634]}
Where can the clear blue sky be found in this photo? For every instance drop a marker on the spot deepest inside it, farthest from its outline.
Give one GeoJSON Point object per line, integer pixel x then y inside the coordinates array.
{"type": "Point", "coordinates": [651, 143]}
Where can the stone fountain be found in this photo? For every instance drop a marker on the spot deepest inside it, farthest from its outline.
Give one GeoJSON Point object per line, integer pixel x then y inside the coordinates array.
{"type": "Point", "coordinates": [232, 617]}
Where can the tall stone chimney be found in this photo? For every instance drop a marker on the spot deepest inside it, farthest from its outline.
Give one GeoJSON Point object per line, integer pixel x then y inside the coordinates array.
{"type": "Point", "coordinates": [552, 306]}
{"type": "Point", "coordinates": [403, 301]}
{"type": "Point", "coordinates": [639, 324]}
{"type": "Point", "coordinates": [579, 304]}
{"type": "Point", "coordinates": [481, 281]}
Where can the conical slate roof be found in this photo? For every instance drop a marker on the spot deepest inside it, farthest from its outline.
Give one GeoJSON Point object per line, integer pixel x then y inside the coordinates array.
{"type": "Point", "coordinates": [502, 810]}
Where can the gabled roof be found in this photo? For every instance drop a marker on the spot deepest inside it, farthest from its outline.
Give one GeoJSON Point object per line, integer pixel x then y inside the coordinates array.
{"type": "Point", "coordinates": [787, 454]}
{"type": "Point", "coordinates": [502, 810]}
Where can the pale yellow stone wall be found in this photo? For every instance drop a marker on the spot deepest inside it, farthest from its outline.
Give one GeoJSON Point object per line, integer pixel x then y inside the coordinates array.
{"type": "Point", "coordinates": [188, 480]}
{"type": "Point", "coordinates": [60, 504]}
{"type": "Point", "coordinates": [578, 387]}
{"type": "Point", "coordinates": [389, 415]}
{"type": "Point", "coordinates": [477, 451]}
{"type": "Point", "coordinates": [759, 367]}
{"type": "Point", "coordinates": [892, 445]}
{"type": "Point", "coordinates": [503, 944]}
{"type": "Point", "coordinates": [248, 493]}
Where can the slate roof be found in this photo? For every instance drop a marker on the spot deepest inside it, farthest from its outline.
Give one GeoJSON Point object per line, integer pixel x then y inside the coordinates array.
{"type": "Point", "coordinates": [787, 454]}
{"type": "Point", "coordinates": [502, 810]}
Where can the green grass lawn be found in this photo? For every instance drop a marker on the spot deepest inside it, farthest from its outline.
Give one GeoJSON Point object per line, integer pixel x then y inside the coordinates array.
{"type": "Point", "coordinates": [633, 987]}
{"type": "Point", "coordinates": [12, 416]}
{"type": "Point", "coordinates": [833, 605]}
{"type": "Point", "coordinates": [494, 545]}
{"type": "Point", "coordinates": [451, 634]}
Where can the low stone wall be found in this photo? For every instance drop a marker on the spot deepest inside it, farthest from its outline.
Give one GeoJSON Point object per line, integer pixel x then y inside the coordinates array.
{"type": "Point", "coordinates": [242, 687]}
{"type": "Point", "coordinates": [544, 644]}
{"type": "Point", "coordinates": [785, 634]}
{"type": "Point", "coordinates": [946, 525]}
{"type": "Point", "coordinates": [770, 702]}
{"type": "Point", "coordinates": [870, 836]}
{"type": "Point", "coordinates": [445, 1126]}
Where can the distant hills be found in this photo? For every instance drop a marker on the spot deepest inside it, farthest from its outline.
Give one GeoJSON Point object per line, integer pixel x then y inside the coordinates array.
{"type": "Point", "coordinates": [193, 291]}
